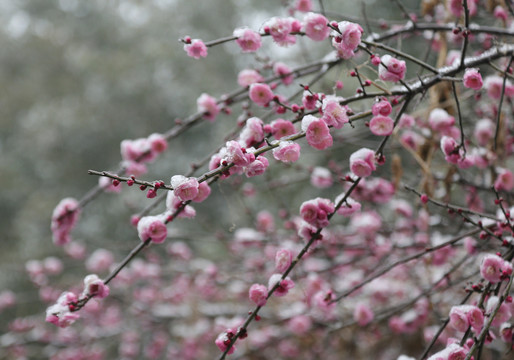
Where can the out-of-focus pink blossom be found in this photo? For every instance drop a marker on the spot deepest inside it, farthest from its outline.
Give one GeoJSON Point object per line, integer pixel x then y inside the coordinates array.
{"type": "Point", "coordinates": [60, 313]}
{"type": "Point", "coordinates": [315, 26]}
{"type": "Point", "coordinates": [504, 180]}
{"type": "Point", "coordinates": [253, 133]}
{"type": "Point", "coordinates": [247, 77]}
{"type": "Point", "coordinates": [260, 94]}
{"type": "Point", "coordinates": [472, 79]}
{"type": "Point", "coordinates": [363, 314]}
{"type": "Point", "coordinates": [283, 259]}
{"type": "Point", "coordinates": [439, 120]}
{"type": "Point", "coordinates": [284, 72]}
{"type": "Point", "coordinates": [283, 285]}
{"type": "Point", "coordinates": [348, 207]}
{"type": "Point", "coordinates": [321, 177]}
{"type": "Point", "coordinates": [280, 30]}
{"type": "Point", "coordinates": [303, 5]}
{"type": "Point", "coordinates": [93, 285]}
{"type": "Point", "coordinates": [258, 294]}
{"type": "Point", "coordinates": [100, 260]}
{"type": "Point", "coordinates": [248, 40]}
{"type": "Point", "coordinates": [208, 107]}
{"type": "Point", "coordinates": [64, 218]}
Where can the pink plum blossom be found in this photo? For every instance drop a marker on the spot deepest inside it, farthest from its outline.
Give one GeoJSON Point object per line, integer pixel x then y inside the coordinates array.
{"type": "Point", "coordinates": [108, 186]}
{"type": "Point", "coordinates": [283, 259]}
{"type": "Point", "coordinates": [457, 9]}
{"type": "Point", "coordinates": [260, 94]}
{"type": "Point", "coordinates": [196, 49]}
{"type": "Point", "coordinates": [391, 69]}
{"type": "Point", "coordinates": [204, 190]}
{"type": "Point", "coordinates": [60, 313]}
{"type": "Point", "coordinates": [208, 107]}
{"type": "Point", "coordinates": [450, 149]}
{"type": "Point", "coordinates": [173, 203]}
{"type": "Point", "coordinates": [501, 13]}
{"type": "Point", "coordinates": [383, 107]}
{"type": "Point", "coordinates": [334, 114]}
{"type": "Point", "coordinates": [237, 154]}
{"type": "Point", "coordinates": [184, 188]}
{"type": "Point", "coordinates": [93, 285]}
{"type": "Point", "coordinates": [283, 285]}
{"type": "Point", "coordinates": [309, 100]}
{"type": "Point", "coordinates": [362, 162]}
{"type": "Point", "coordinates": [315, 26]}
{"type": "Point", "coordinates": [504, 313]}
{"type": "Point", "coordinates": [64, 218]}
{"type": "Point", "coordinates": [281, 128]}
{"type": "Point", "coordinates": [257, 167]}
{"type": "Point", "coordinates": [347, 39]}
{"type": "Point", "coordinates": [253, 133]}
{"type": "Point", "coordinates": [316, 211]}
{"type": "Point", "coordinates": [317, 132]}
{"type": "Point", "coordinates": [504, 180]}
{"type": "Point", "coordinates": [381, 125]}
{"type": "Point", "coordinates": [458, 319]}
{"type": "Point", "coordinates": [492, 268]}
{"type": "Point", "coordinates": [280, 30]}
{"type": "Point", "coordinates": [303, 5]}
{"type": "Point", "coordinates": [247, 39]}
{"type": "Point", "coordinates": [287, 152]}
{"type": "Point", "coordinates": [158, 143]}
{"type": "Point", "coordinates": [223, 340]}
{"type": "Point", "coordinates": [472, 79]}
{"type": "Point", "coordinates": [153, 228]}
{"type": "Point", "coordinates": [258, 294]}
{"type": "Point", "coordinates": [247, 77]}
{"type": "Point", "coordinates": [136, 150]}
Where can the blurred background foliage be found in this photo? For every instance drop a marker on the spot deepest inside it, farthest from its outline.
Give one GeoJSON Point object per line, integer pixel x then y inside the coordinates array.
{"type": "Point", "coordinates": [78, 77]}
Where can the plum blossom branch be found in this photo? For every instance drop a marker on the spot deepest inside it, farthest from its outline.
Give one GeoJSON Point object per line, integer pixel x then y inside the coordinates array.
{"type": "Point", "coordinates": [498, 117]}
{"type": "Point", "coordinates": [403, 261]}
{"type": "Point", "coordinates": [485, 330]}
